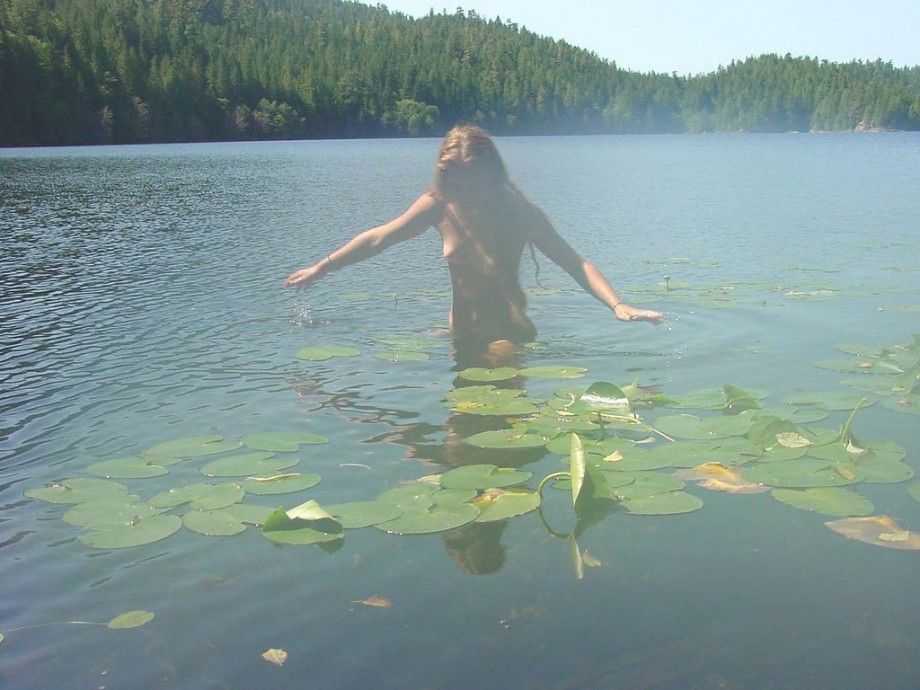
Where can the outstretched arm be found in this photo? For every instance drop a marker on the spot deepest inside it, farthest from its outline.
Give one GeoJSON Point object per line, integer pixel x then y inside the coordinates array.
{"type": "Point", "coordinates": [544, 236]}
{"type": "Point", "coordinates": [418, 218]}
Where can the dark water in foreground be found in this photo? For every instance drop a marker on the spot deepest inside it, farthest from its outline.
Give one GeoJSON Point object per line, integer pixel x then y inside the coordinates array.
{"type": "Point", "coordinates": [142, 302]}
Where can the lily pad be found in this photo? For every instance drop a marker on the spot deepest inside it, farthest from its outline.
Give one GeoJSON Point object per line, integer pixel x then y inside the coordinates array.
{"type": "Point", "coordinates": [108, 514]}
{"type": "Point", "coordinates": [79, 490]}
{"type": "Point", "coordinates": [308, 523]}
{"type": "Point", "coordinates": [829, 400]}
{"type": "Point", "coordinates": [248, 464]}
{"type": "Point", "coordinates": [281, 441]}
{"type": "Point", "coordinates": [358, 514]}
{"type": "Point", "coordinates": [133, 467]}
{"type": "Point", "coordinates": [130, 619]}
{"type": "Point", "coordinates": [665, 503]}
{"type": "Point", "coordinates": [908, 404]}
{"type": "Point", "coordinates": [914, 491]}
{"type": "Point", "coordinates": [718, 477]}
{"type": "Point", "coordinates": [879, 530]}
{"type": "Point", "coordinates": [483, 476]}
{"type": "Point", "coordinates": [553, 372]}
{"type": "Point", "coordinates": [324, 352]}
{"type": "Point", "coordinates": [431, 519]}
{"type": "Point", "coordinates": [505, 439]}
{"type": "Point", "coordinates": [135, 533]}
{"type": "Point", "coordinates": [248, 513]}
{"type": "Point", "coordinates": [484, 375]}
{"type": "Point", "coordinates": [213, 523]}
{"type": "Point", "coordinates": [200, 496]}
{"type": "Point", "coordinates": [500, 504]}
{"type": "Point", "coordinates": [825, 500]}
{"type": "Point", "coordinates": [287, 483]}
{"type": "Point", "coordinates": [804, 473]}
{"type": "Point", "coordinates": [191, 447]}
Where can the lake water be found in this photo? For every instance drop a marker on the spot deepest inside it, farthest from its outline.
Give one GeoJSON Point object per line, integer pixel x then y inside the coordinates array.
{"type": "Point", "coordinates": [142, 302]}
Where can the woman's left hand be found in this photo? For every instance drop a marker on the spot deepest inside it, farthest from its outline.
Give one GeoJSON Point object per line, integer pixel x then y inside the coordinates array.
{"type": "Point", "coordinates": [625, 312]}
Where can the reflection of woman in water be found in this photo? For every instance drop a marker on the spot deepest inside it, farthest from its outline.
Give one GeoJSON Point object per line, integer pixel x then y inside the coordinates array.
{"type": "Point", "coordinates": [484, 222]}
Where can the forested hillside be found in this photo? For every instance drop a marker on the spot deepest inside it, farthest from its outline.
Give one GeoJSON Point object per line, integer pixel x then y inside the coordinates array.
{"type": "Point", "coordinates": [100, 71]}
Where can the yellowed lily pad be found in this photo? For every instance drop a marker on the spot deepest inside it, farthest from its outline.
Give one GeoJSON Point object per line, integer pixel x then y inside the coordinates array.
{"type": "Point", "coordinates": [826, 500]}
{"type": "Point", "coordinates": [718, 477]}
{"type": "Point", "coordinates": [130, 619]}
{"type": "Point", "coordinates": [879, 530]}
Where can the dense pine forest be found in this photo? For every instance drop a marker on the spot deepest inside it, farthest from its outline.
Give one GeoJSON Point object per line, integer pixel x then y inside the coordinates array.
{"type": "Point", "coordinates": [126, 71]}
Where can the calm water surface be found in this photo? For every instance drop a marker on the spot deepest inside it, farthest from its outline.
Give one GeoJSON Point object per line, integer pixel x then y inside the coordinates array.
{"type": "Point", "coordinates": [142, 302]}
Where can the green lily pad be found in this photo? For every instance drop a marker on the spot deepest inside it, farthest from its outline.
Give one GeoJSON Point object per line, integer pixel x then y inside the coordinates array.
{"type": "Point", "coordinates": [248, 465]}
{"type": "Point", "coordinates": [281, 441]}
{"type": "Point", "coordinates": [908, 404]}
{"type": "Point", "coordinates": [199, 496]}
{"type": "Point", "coordinates": [213, 523]}
{"type": "Point", "coordinates": [691, 427]}
{"type": "Point", "coordinates": [190, 447]}
{"type": "Point", "coordinates": [826, 500]}
{"type": "Point", "coordinates": [248, 513]}
{"type": "Point", "coordinates": [136, 533]}
{"type": "Point", "coordinates": [358, 514]}
{"type": "Point", "coordinates": [725, 451]}
{"type": "Point", "coordinates": [914, 491]}
{"type": "Point", "coordinates": [287, 483]}
{"type": "Point", "coordinates": [323, 352]}
{"type": "Point", "coordinates": [705, 399]}
{"type": "Point", "coordinates": [793, 414]}
{"type": "Point", "coordinates": [406, 342]}
{"type": "Point", "coordinates": [308, 523]}
{"type": "Point", "coordinates": [484, 375]}
{"type": "Point", "coordinates": [433, 518]}
{"type": "Point", "coordinates": [402, 356]}
{"type": "Point", "coordinates": [647, 484]}
{"type": "Point", "coordinates": [633, 459]}
{"type": "Point", "coordinates": [804, 473]}
{"type": "Point", "coordinates": [79, 490]}
{"type": "Point", "coordinates": [505, 439]}
{"type": "Point", "coordinates": [829, 400]}
{"type": "Point", "coordinates": [501, 504]}
{"type": "Point", "coordinates": [109, 513]}
{"type": "Point", "coordinates": [603, 446]}
{"type": "Point", "coordinates": [483, 476]}
{"type": "Point", "coordinates": [130, 619]}
{"type": "Point", "coordinates": [553, 372]}
{"type": "Point", "coordinates": [664, 503]}
{"type": "Point", "coordinates": [133, 467]}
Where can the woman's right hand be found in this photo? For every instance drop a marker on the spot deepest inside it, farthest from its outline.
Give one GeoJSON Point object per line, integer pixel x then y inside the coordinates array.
{"type": "Point", "coordinates": [303, 277]}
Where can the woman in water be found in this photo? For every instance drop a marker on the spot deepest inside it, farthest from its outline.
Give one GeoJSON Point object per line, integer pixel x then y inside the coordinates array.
{"type": "Point", "coordinates": [484, 222]}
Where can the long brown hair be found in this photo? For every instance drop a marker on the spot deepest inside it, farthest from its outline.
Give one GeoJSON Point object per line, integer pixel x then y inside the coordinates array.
{"type": "Point", "coordinates": [468, 148]}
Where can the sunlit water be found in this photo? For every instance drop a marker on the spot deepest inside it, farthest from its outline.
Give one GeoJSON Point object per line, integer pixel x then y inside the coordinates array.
{"type": "Point", "coordinates": [142, 302]}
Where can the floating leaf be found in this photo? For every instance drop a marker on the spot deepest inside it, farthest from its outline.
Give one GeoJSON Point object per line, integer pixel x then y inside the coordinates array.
{"type": "Point", "coordinates": [324, 352]}
{"type": "Point", "coordinates": [376, 602]}
{"type": "Point", "coordinates": [506, 439]}
{"type": "Point", "coordinates": [825, 500]}
{"type": "Point", "coordinates": [553, 372]}
{"type": "Point", "coordinates": [249, 514]}
{"type": "Point", "coordinates": [201, 496]}
{"type": "Point", "coordinates": [801, 474]}
{"type": "Point", "coordinates": [577, 468]}
{"type": "Point", "coordinates": [248, 464]}
{"type": "Point", "coordinates": [280, 484]}
{"type": "Point", "coordinates": [879, 530]}
{"type": "Point", "coordinates": [483, 476]}
{"type": "Point", "coordinates": [213, 523]}
{"type": "Point", "coordinates": [421, 516]}
{"type": "Point", "coordinates": [500, 504]}
{"type": "Point", "coordinates": [914, 491]}
{"type": "Point", "coordinates": [908, 404]}
{"type": "Point", "coordinates": [109, 513]}
{"type": "Point", "coordinates": [717, 477]}
{"type": "Point", "coordinates": [79, 490]}
{"type": "Point", "coordinates": [665, 503]}
{"type": "Point", "coordinates": [191, 447]}
{"type": "Point", "coordinates": [484, 375]}
{"type": "Point", "coordinates": [134, 467]}
{"type": "Point", "coordinates": [308, 523]}
{"type": "Point", "coordinates": [281, 441]}
{"type": "Point", "coordinates": [357, 514]}
{"type": "Point", "coordinates": [830, 400]}
{"type": "Point", "coordinates": [130, 619]}
{"type": "Point", "coordinates": [137, 533]}
{"type": "Point", "coordinates": [275, 656]}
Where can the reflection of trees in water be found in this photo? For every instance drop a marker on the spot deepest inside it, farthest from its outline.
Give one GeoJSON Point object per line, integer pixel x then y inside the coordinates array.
{"type": "Point", "coordinates": [476, 548]}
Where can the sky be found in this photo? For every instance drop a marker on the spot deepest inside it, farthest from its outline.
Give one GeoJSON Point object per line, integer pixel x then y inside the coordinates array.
{"type": "Point", "coordinates": [697, 36]}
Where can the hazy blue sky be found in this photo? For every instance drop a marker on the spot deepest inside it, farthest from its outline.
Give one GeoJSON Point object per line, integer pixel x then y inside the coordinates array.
{"type": "Point", "coordinates": [694, 36]}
